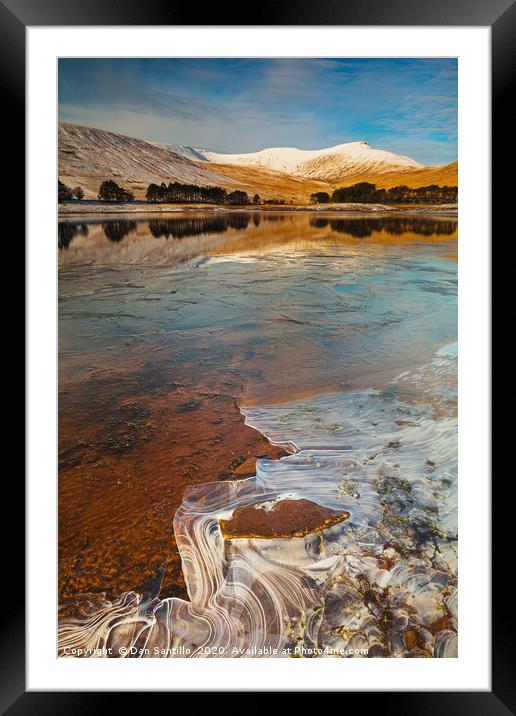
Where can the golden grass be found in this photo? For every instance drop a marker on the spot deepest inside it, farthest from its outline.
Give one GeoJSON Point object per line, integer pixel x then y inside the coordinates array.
{"type": "Point", "coordinates": [270, 184]}
{"type": "Point", "coordinates": [446, 175]}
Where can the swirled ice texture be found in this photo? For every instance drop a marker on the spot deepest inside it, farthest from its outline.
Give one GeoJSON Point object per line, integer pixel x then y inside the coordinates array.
{"type": "Point", "coordinates": [381, 584]}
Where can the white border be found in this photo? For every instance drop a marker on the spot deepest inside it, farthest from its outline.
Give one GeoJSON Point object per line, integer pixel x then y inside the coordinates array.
{"type": "Point", "coordinates": [472, 669]}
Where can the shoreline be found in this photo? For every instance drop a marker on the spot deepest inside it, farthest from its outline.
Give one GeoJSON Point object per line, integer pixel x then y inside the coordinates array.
{"type": "Point", "coordinates": [76, 209]}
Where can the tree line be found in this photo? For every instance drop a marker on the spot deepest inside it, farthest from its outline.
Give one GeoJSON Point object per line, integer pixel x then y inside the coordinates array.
{"type": "Point", "coordinates": [177, 193]}
{"type": "Point", "coordinates": [108, 191]}
{"type": "Point", "coordinates": [367, 193]}
{"type": "Point", "coordinates": [172, 193]}
{"type": "Point", "coordinates": [64, 193]}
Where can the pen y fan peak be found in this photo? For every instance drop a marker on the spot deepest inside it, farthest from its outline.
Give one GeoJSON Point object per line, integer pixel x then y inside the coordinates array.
{"type": "Point", "coordinates": [330, 164]}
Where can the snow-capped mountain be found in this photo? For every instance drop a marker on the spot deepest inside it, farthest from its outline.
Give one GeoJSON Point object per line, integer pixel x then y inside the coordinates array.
{"type": "Point", "coordinates": [88, 156]}
{"type": "Point", "coordinates": [333, 163]}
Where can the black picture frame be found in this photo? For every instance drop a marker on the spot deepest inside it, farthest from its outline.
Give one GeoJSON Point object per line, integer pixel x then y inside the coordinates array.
{"type": "Point", "coordinates": [500, 16]}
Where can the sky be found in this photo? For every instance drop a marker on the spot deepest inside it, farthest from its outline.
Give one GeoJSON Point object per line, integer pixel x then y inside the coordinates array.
{"type": "Point", "coordinates": [406, 106]}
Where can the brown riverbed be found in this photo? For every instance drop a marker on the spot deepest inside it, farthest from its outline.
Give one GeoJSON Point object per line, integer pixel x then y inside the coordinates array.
{"type": "Point", "coordinates": [128, 447]}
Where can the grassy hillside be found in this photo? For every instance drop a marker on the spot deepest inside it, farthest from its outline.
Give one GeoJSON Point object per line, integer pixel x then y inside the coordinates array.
{"type": "Point", "coordinates": [443, 175]}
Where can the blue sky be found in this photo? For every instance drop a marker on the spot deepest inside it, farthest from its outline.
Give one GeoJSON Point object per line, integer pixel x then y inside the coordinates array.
{"type": "Point", "coordinates": [408, 106]}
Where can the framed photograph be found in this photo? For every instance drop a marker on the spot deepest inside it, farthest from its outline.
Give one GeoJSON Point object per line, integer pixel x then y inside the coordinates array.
{"type": "Point", "coordinates": [258, 359]}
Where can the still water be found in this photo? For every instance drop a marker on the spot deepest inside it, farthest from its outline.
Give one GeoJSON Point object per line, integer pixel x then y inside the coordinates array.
{"type": "Point", "coordinates": [335, 340]}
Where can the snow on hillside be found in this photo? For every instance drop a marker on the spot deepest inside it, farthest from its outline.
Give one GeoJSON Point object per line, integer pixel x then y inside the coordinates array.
{"type": "Point", "coordinates": [331, 163]}
{"type": "Point", "coordinates": [90, 152]}
{"type": "Point", "coordinates": [194, 155]}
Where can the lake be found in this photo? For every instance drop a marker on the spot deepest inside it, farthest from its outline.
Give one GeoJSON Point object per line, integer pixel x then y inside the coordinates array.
{"type": "Point", "coordinates": [214, 362]}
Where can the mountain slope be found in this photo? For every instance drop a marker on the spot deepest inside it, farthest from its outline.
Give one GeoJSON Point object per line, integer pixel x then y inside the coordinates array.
{"type": "Point", "coordinates": [88, 156]}
{"type": "Point", "coordinates": [445, 175]}
{"type": "Point", "coordinates": [270, 184]}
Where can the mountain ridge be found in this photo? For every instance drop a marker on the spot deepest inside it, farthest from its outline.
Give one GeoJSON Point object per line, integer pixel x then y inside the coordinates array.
{"type": "Point", "coordinates": [329, 163]}
{"type": "Point", "coordinates": [88, 156]}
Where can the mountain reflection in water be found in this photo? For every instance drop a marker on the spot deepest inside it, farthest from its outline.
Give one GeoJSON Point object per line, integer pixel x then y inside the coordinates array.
{"type": "Point", "coordinates": [178, 228]}
{"type": "Point", "coordinates": [66, 233]}
{"type": "Point", "coordinates": [103, 240]}
{"type": "Point", "coordinates": [117, 230]}
{"type": "Point", "coordinates": [361, 228]}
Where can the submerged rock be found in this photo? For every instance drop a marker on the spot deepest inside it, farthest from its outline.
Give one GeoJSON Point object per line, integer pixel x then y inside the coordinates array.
{"type": "Point", "coordinates": [286, 518]}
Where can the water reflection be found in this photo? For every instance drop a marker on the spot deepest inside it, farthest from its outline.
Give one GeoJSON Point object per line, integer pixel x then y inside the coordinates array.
{"type": "Point", "coordinates": [170, 239]}
{"type": "Point", "coordinates": [178, 228]}
{"type": "Point", "coordinates": [66, 232]}
{"type": "Point", "coordinates": [117, 230]}
{"type": "Point", "coordinates": [274, 217]}
{"type": "Point", "coordinates": [362, 228]}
